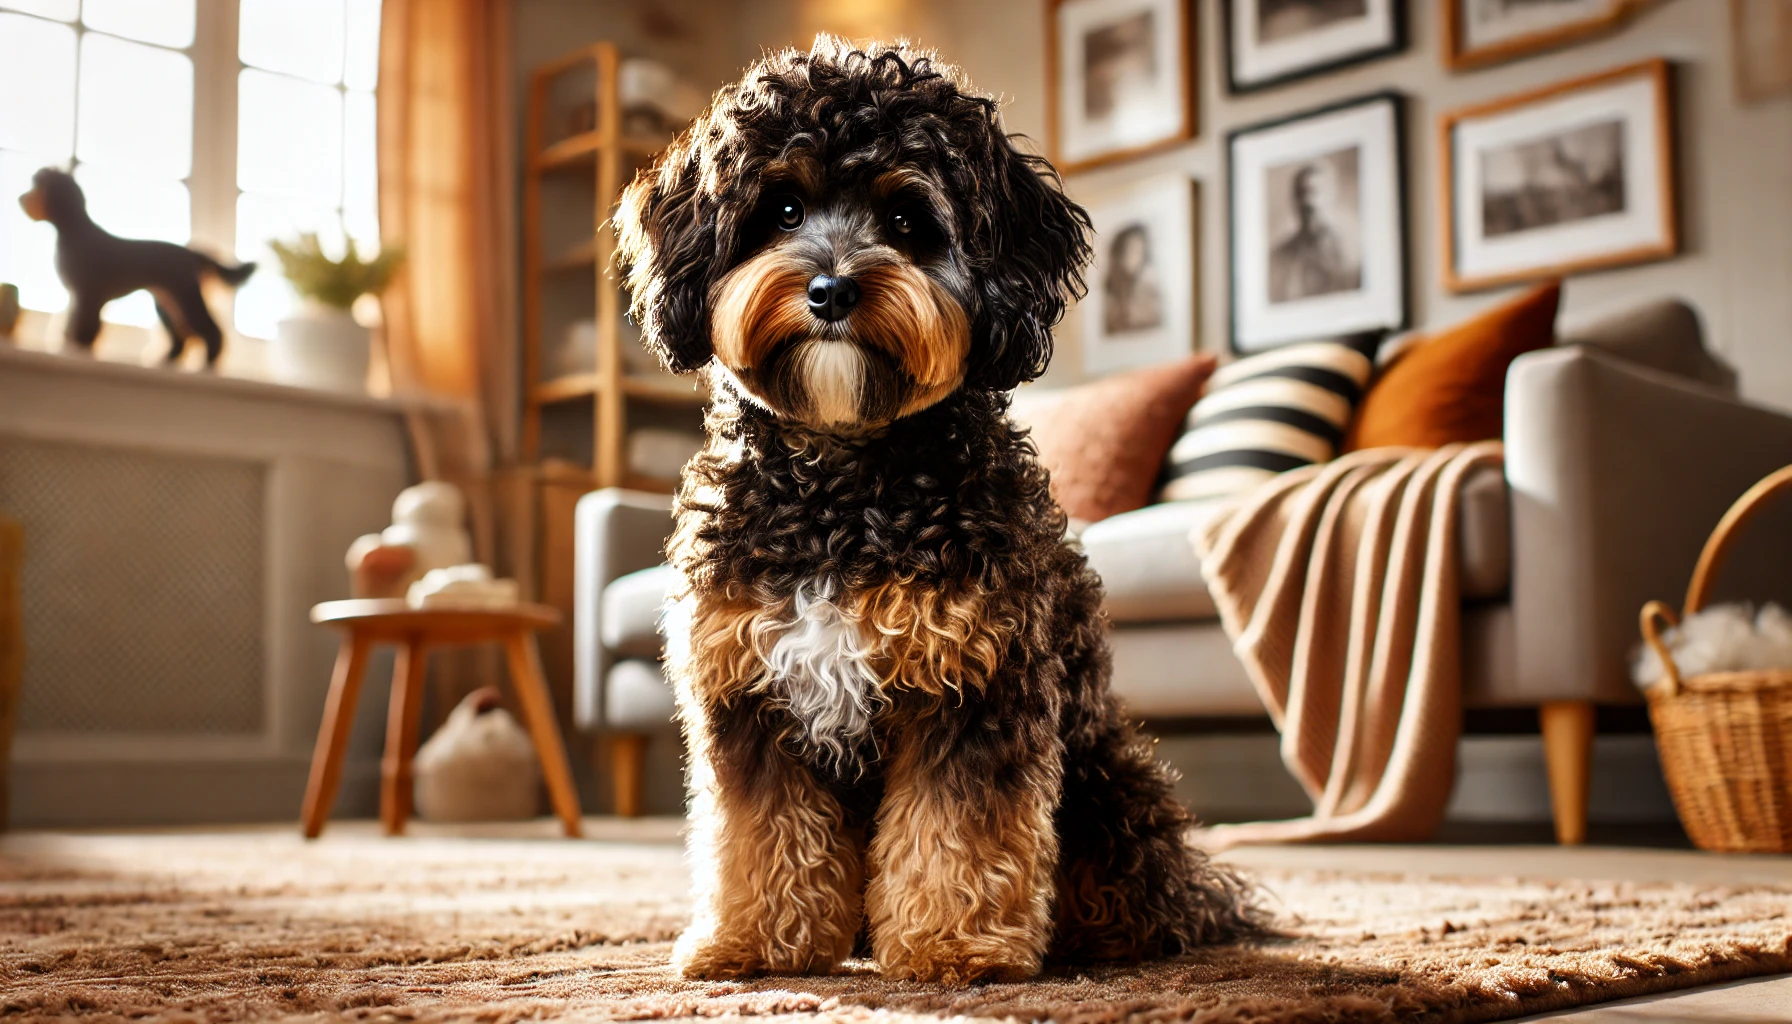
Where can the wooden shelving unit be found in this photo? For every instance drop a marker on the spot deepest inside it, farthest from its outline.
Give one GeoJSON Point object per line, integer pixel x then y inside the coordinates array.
{"type": "Point", "coordinates": [606, 156]}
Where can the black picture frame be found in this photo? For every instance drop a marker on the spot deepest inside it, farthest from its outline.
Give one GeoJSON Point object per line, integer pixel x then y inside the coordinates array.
{"type": "Point", "coordinates": [1402, 109]}
{"type": "Point", "coordinates": [1396, 44]}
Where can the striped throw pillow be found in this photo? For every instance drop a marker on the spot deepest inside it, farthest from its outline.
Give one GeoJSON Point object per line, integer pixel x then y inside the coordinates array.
{"type": "Point", "coordinates": [1266, 414]}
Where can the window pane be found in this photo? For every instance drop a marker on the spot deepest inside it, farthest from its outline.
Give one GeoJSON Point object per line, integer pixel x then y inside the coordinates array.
{"type": "Point", "coordinates": [266, 298]}
{"type": "Point", "coordinates": [289, 138]}
{"type": "Point", "coordinates": [294, 37]}
{"type": "Point", "coordinates": [136, 106]}
{"type": "Point", "coordinates": [136, 208]}
{"type": "Point", "coordinates": [362, 70]}
{"type": "Point", "coordinates": [61, 10]}
{"type": "Point", "coordinates": [360, 173]}
{"type": "Point", "coordinates": [27, 248]}
{"type": "Point", "coordinates": [164, 22]}
{"type": "Point", "coordinates": [132, 207]}
{"type": "Point", "coordinates": [37, 87]}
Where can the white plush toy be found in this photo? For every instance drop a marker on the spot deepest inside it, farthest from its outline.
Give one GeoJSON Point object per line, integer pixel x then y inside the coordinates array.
{"type": "Point", "coordinates": [427, 532]}
{"type": "Point", "coordinates": [1722, 638]}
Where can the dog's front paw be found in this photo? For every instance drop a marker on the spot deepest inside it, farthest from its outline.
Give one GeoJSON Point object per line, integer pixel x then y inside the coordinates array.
{"type": "Point", "coordinates": [706, 958]}
{"type": "Point", "coordinates": [960, 962]}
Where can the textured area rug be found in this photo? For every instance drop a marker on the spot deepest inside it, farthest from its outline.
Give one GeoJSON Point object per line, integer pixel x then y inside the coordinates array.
{"type": "Point", "coordinates": [257, 926]}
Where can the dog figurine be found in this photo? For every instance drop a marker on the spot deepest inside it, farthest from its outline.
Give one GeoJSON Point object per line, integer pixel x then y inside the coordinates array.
{"type": "Point", "coordinates": [891, 668]}
{"type": "Point", "coordinates": [97, 267]}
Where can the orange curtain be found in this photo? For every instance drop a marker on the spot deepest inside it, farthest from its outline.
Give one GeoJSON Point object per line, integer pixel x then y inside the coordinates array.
{"type": "Point", "coordinates": [447, 195]}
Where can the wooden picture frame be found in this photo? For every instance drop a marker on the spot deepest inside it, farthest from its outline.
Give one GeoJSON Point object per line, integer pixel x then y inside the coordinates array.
{"type": "Point", "coordinates": [1394, 12]}
{"type": "Point", "coordinates": [1761, 45]}
{"type": "Point", "coordinates": [1150, 313]}
{"type": "Point", "coordinates": [1460, 54]}
{"type": "Point", "coordinates": [1562, 218]}
{"type": "Point", "coordinates": [1070, 153]}
{"type": "Point", "coordinates": [1380, 299]}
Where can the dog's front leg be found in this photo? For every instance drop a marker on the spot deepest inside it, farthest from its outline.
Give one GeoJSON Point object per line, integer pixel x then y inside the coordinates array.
{"type": "Point", "coordinates": [965, 851]}
{"type": "Point", "coordinates": [777, 872]}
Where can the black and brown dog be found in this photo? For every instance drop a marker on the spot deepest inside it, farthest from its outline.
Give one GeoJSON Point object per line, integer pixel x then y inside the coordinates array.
{"type": "Point", "coordinates": [891, 669]}
{"type": "Point", "coordinates": [97, 267]}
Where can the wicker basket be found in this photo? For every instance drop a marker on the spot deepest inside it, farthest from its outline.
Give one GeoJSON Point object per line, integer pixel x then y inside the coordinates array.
{"type": "Point", "coordinates": [1725, 737]}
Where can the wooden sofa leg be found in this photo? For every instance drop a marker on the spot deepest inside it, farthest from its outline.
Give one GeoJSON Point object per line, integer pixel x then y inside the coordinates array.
{"type": "Point", "coordinates": [1568, 755]}
{"type": "Point", "coordinates": [628, 761]}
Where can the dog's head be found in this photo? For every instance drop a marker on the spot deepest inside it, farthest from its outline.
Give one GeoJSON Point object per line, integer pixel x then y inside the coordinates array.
{"type": "Point", "coordinates": [54, 197]}
{"type": "Point", "coordinates": [851, 236]}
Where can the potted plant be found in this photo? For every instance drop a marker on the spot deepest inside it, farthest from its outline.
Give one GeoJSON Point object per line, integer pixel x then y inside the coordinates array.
{"type": "Point", "coordinates": [322, 345]}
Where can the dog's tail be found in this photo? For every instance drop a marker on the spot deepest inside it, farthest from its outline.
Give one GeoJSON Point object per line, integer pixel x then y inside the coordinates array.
{"type": "Point", "coordinates": [232, 276]}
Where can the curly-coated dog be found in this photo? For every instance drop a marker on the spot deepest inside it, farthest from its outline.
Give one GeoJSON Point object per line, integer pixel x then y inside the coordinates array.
{"type": "Point", "coordinates": [892, 670]}
{"type": "Point", "coordinates": [97, 266]}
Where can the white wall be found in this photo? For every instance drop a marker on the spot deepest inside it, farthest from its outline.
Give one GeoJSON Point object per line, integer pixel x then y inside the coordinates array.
{"type": "Point", "coordinates": [1735, 165]}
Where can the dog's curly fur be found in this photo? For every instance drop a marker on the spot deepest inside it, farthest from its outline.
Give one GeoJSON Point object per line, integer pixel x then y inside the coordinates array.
{"type": "Point", "coordinates": [937, 764]}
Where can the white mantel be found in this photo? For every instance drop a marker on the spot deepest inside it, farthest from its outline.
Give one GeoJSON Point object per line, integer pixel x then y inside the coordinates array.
{"type": "Point", "coordinates": [217, 510]}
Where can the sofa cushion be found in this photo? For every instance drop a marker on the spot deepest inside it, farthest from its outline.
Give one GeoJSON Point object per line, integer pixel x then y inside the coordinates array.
{"type": "Point", "coordinates": [1451, 387]}
{"type": "Point", "coordinates": [1663, 334]}
{"type": "Point", "coordinates": [1104, 442]}
{"type": "Point", "coordinates": [1268, 413]}
{"type": "Point", "coordinates": [631, 612]}
{"type": "Point", "coordinates": [1148, 565]}
{"type": "Point", "coordinates": [637, 698]}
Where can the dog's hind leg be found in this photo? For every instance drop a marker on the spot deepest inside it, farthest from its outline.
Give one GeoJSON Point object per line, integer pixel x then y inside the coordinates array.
{"type": "Point", "coordinates": [199, 320]}
{"type": "Point", "coordinates": [1130, 885]}
{"type": "Point", "coordinates": [177, 339]}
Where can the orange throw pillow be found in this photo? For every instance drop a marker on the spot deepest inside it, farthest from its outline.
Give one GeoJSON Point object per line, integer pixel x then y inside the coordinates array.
{"type": "Point", "coordinates": [1105, 442]}
{"type": "Point", "coordinates": [1451, 386]}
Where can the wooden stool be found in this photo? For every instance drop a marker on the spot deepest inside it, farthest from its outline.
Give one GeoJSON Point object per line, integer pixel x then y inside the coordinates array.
{"type": "Point", "coordinates": [414, 631]}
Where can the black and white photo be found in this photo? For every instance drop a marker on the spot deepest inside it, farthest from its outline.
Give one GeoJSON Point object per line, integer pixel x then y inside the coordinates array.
{"type": "Point", "coordinates": [1141, 303]}
{"type": "Point", "coordinates": [1273, 41]}
{"type": "Point", "coordinates": [1480, 32]}
{"type": "Point", "coordinates": [1121, 84]}
{"type": "Point", "coordinates": [1313, 223]}
{"type": "Point", "coordinates": [1318, 225]}
{"type": "Point", "coordinates": [1574, 176]}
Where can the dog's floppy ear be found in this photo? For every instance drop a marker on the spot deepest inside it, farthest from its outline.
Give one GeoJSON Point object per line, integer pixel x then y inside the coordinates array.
{"type": "Point", "coordinates": [665, 246]}
{"type": "Point", "coordinates": [1036, 244]}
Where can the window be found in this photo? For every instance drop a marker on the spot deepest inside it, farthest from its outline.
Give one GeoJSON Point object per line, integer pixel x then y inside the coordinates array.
{"type": "Point", "coordinates": [110, 88]}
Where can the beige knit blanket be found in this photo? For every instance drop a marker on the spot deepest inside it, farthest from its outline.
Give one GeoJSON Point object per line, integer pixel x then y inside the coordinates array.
{"type": "Point", "coordinates": [1338, 586]}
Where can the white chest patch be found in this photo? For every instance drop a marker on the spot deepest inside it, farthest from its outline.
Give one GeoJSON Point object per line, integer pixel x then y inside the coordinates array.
{"type": "Point", "coordinates": [820, 664]}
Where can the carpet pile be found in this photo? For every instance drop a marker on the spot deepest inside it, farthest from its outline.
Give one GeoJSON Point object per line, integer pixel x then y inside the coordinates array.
{"type": "Point", "coordinates": [262, 926]}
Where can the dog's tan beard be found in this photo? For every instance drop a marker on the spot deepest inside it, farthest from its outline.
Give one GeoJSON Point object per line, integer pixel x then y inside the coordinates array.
{"type": "Point", "coordinates": [903, 348]}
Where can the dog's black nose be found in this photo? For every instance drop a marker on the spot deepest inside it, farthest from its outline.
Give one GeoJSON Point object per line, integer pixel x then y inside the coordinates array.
{"type": "Point", "coordinates": [831, 298]}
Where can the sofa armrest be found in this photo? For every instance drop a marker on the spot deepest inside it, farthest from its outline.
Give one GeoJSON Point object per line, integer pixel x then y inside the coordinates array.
{"type": "Point", "coordinates": [616, 532]}
{"type": "Point", "coordinates": [1618, 474]}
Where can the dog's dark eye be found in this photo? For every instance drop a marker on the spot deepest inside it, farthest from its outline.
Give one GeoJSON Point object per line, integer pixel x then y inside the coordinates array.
{"type": "Point", "coordinates": [903, 222]}
{"type": "Point", "coordinates": [789, 210]}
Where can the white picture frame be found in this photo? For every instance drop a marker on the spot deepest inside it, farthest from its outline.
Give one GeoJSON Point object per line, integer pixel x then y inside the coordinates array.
{"type": "Point", "coordinates": [1141, 305]}
{"type": "Point", "coordinates": [1573, 177]}
{"type": "Point", "coordinates": [1269, 42]}
{"type": "Point", "coordinates": [1318, 224]}
{"type": "Point", "coordinates": [1120, 79]}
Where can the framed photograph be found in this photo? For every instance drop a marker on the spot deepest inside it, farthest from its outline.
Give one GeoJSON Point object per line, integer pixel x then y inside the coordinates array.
{"type": "Point", "coordinates": [1761, 39]}
{"type": "Point", "coordinates": [1572, 177]}
{"type": "Point", "coordinates": [1141, 303]}
{"type": "Point", "coordinates": [1269, 42]}
{"type": "Point", "coordinates": [1318, 224]}
{"type": "Point", "coordinates": [1481, 32]}
{"type": "Point", "coordinates": [1121, 78]}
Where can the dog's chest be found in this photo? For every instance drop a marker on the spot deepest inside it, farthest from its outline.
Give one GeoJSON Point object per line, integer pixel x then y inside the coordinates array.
{"type": "Point", "coordinates": [819, 666]}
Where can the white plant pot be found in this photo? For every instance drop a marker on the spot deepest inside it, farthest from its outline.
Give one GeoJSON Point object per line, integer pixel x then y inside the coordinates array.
{"type": "Point", "coordinates": [321, 347]}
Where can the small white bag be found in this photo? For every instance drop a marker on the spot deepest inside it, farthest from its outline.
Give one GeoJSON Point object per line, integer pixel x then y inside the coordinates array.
{"type": "Point", "coordinates": [479, 766]}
